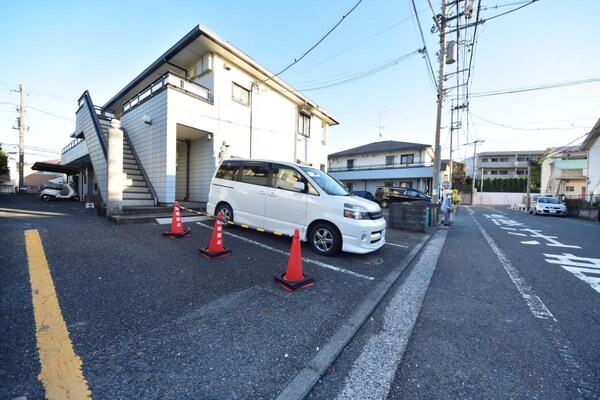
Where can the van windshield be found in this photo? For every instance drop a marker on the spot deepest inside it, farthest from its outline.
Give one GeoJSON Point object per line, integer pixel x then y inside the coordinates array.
{"type": "Point", "coordinates": [326, 182]}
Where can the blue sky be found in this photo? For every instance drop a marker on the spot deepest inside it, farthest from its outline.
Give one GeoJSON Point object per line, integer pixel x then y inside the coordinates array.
{"type": "Point", "coordinates": [59, 49]}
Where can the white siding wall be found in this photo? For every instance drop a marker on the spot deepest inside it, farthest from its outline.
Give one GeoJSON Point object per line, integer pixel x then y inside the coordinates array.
{"type": "Point", "coordinates": [84, 124]}
{"type": "Point", "coordinates": [594, 168]}
{"type": "Point", "coordinates": [75, 153]}
{"type": "Point", "coordinates": [150, 144]}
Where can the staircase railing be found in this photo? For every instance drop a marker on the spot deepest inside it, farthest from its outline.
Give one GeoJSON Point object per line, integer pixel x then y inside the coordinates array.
{"type": "Point", "coordinates": [95, 121]}
{"type": "Point", "coordinates": [140, 166]}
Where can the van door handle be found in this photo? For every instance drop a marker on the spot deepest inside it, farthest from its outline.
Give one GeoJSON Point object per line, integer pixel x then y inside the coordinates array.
{"type": "Point", "coordinates": [272, 194]}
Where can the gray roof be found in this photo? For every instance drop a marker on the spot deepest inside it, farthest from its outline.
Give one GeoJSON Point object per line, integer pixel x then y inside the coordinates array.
{"type": "Point", "coordinates": [386, 146]}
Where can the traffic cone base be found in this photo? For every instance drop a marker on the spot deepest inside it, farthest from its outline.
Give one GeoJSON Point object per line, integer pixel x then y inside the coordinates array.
{"type": "Point", "coordinates": [289, 286]}
{"type": "Point", "coordinates": [215, 254]}
{"type": "Point", "coordinates": [177, 235]}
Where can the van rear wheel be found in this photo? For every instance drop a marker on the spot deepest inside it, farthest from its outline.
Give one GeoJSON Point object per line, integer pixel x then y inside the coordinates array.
{"type": "Point", "coordinates": [226, 212]}
{"type": "Point", "coordinates": [325, 239]}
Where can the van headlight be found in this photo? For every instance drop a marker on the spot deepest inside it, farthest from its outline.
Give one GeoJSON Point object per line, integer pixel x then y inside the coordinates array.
{"type": "Point", "coordinates": [355, 212]}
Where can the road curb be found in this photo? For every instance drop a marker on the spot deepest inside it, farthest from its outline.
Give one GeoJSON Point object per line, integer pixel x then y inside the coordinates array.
{"type": "Point", "coordinates": [307, 378]}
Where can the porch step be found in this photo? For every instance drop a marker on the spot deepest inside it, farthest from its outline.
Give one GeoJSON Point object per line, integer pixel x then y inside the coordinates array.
{"type": "Point", "coordinates": [143, 214]}
{"type": "Point", "coordinates": [137, 202]}
{"type": "Point", "coordinates": [134, 195]}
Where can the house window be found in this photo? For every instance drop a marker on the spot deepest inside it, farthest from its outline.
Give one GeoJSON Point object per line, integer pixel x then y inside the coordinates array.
{"type": "Point", "coordinates": [389, 161]}
{"type": "Point", "coordinates": [350, 164]}
{"type": "Point", "coordinates": [240, 94]}
{"type": "Point", "coordinates": [388, 184]}
{"type": "Point", "coordinates": [503, 172]}
{"type": "Point", "coordinates": [349, 186]}
{"type": "Point", "coordinates": [503, 159]}
{"type": "Point", "coordinates": [570, 188]}
{"type": "Point", "coordinates": [484, 160]}
{"type": "Point", "coordinates": [303, 124]}
{"type": "Point", "coordinates": [407, 159]}
{"type": "Point", "coordinates": [521, 172]}
{"type": "Point", "coordinates": [493, 172]}
{"type": "Point", "coordinates": [494, 160]}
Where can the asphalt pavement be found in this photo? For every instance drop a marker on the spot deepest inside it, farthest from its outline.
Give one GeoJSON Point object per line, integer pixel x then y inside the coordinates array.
{"type": "Point", "coordinates": [151, 318]}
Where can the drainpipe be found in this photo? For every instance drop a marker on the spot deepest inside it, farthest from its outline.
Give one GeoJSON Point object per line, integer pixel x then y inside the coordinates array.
{"type": "Point", "coordinates": [188, 143]}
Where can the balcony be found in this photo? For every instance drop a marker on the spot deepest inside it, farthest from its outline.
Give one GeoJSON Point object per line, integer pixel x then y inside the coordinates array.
{"type": "Point", "coordinates": [74, 151]}
{"type": "Point", "coordinates": [383, 171]}
{"type": "Point", "coordinates": [168, 80]}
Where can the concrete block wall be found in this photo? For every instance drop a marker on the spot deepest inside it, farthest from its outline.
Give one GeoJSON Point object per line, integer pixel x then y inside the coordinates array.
{"type": "Point", "coordinates": [412, 216]}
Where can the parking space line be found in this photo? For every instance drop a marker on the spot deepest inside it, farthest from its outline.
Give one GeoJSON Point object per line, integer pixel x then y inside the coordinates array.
{"type": "Point", "coordinates": [304, 259]}
{"type": "Point", "coordinates": [396, 245]}
{"type": "Point", "coordinates": [61, 372]}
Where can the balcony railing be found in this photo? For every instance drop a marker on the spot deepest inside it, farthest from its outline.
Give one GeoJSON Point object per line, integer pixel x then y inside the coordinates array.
{"type": "Point", "coordinates": [378, 166]}
{"type": "Point", "coordinates": [162, 83]}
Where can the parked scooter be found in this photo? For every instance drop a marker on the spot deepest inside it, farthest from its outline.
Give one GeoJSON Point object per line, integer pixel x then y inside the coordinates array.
{"type": "Point", "coordinates": [55, 189]}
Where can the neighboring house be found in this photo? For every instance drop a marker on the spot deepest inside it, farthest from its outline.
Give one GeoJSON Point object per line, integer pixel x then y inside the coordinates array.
{"type": "Point", "coordinates": [201, 101]}
{"type": "Point", "coordinates": [10, 181]}
{"type": "Point", "coordinates": [564, 171]}
{"type": "Point", "coordinates": [591, 145]}
{"type": "Point", "coordinates": [386, 163]}
{"type": "Point", "coordinates": [458, 171]}
{"type": "Point", "coordinates": [503, 164]}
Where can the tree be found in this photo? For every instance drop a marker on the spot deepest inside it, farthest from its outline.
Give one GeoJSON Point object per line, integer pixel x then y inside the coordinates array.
{"type": "Point", "coordinates": [3, 162]}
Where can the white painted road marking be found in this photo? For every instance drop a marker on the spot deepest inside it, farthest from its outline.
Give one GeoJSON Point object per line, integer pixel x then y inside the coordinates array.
{"type": "Point", "coordinates": [287, 253]}
{"type": "Point", "coordinates": [373, 371]}
{"type": "Point", "coordinates": [537, 307]}
{"type": "Point", "coordinates": [397, 245]}
{"type": "Point", "coordinates": [581, 267]}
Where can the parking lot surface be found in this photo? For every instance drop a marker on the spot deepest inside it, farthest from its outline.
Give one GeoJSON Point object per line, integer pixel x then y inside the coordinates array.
{"type": "Point", "coordinates": [151, 318]}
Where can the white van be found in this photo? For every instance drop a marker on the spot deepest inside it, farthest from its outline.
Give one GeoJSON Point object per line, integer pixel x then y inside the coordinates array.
{"type": "Point", "coordinates": [280, 197]}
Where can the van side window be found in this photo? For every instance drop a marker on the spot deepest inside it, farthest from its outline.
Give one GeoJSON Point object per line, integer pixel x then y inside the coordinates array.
{"type": "Point", "coordinates": [256, 174]}
{"type": "Point", "coordinates": [285, 177]}
{"type": "Point", "coordinates": [229, 171]}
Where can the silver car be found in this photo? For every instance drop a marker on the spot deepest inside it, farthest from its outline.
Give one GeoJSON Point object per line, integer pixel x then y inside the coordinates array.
{"type": "Point", "coordinates": [547, 205]}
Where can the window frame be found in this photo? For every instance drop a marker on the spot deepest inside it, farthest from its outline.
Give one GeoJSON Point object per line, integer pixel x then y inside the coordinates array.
{"type": "Point", "coordinates": [241, 89]}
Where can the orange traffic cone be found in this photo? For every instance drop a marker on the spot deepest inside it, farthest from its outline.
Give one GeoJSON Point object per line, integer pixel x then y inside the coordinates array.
{"type": "Point", "coordinates": [176, 224]}
{"type": "Point", "coordinates": [293, 279]}
{"type": "Point", "coordinates": [215, 248]}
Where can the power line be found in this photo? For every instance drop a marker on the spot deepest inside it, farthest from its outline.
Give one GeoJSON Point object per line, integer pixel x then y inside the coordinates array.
{"type": "Point", "coordinates": [424, 51]}
{"type": "Point", "coordinates": [534, 88]}
{"type": "Point", "coordinates": [363, 74]}
{"type": "Point", "coordinates": [510, 11]}
{"type": "Point", "coordinates": [527, 129]}
{"type": "Point", "coordinates": [316, 44]}
{"type": "Point", "coordinates": [49, 113]}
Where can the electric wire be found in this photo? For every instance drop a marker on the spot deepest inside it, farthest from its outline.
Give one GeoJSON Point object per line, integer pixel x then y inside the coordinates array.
{"type": "Point", "coordinates": [534, 88]}
{"type": "Point", "coordinates": [424, 50]}
{"type": "Point", "coordinates": [315, 45]}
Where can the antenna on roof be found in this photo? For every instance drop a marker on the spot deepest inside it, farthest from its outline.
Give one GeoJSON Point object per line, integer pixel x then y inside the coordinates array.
{"type": "Point", "coordinates": [380, 126]}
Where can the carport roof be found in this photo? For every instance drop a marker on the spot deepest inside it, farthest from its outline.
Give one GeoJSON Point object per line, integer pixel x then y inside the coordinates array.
{"type": "Point", "coordinates": [61, 169]}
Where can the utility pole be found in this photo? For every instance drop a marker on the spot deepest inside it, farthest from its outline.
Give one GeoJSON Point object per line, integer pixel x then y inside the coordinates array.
{"type": "Point", "coordinates": [441, 22]}
{"type": "Point", "coordinates": [21, 136]}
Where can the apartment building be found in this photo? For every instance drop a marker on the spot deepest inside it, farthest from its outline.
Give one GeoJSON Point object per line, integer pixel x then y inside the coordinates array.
{"type": "Point", "coordinates": [504, 164]}
{"type": "Point", "coordinates": [201, 101]}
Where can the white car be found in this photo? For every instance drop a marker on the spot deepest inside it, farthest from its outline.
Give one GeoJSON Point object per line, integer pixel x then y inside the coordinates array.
{"type": "Point", "coordinates": [547, 205]}
{"type": "Point", "coordinates": [280, 196]}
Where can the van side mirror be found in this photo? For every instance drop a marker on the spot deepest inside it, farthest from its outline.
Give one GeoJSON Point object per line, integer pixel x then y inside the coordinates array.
{"type": "Point", "coordinates": [299, 186]}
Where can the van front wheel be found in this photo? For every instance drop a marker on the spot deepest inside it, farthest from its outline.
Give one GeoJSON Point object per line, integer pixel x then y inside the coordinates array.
{"type": "Point", "coordinates": [325, 239]}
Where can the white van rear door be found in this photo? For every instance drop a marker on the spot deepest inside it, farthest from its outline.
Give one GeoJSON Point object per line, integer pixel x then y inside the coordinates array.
{"type": "Point", "coordinates": [285, 205]}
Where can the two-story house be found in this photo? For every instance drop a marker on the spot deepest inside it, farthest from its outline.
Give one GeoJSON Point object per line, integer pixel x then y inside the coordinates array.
{"type": "Point", "coordinates": [564, 171]}
{"type": "Point", "coordinates": [199, 102]}
{"type": "Point", "coordinates": [385, 163]}
{"type": "Point", "coordinates": [591, 144]}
